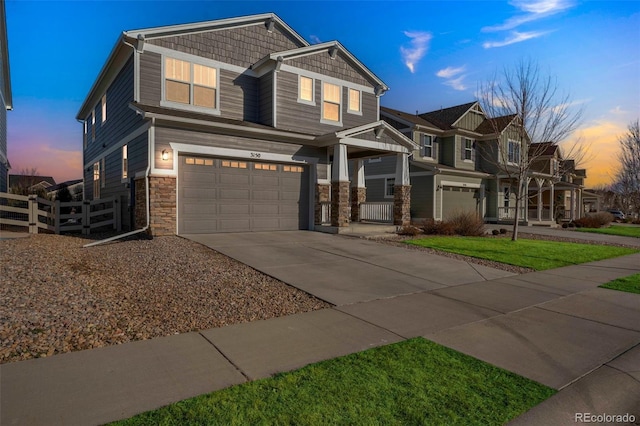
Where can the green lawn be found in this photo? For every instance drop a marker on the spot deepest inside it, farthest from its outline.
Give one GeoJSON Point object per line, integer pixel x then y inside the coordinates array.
{"type": "Point", "coordinates": [629, 284]}
{"type": "Point", "coordinates": [535, 254]}
{"type": "Point", "coordinates": [623, 231]}
{"type": "Point", "coordinates": [411, 382]}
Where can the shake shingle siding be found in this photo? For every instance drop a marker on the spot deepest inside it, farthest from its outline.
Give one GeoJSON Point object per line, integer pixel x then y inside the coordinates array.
{"type": "Point", "coordinates": [238, 46]}
{"type": "Point", "coordinates": [337, 68]}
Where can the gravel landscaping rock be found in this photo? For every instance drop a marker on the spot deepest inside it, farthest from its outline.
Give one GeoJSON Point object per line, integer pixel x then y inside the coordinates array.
{"type": "Point", "coordinates": [56, 296]}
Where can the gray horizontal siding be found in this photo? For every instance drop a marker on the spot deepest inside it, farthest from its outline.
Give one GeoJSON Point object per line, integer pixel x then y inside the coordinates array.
{"type": "Point", "coordinates": [238, 96]}
{"type": "Point", "coordinates": [375, 190]}
{"type": "Point", "coordinates": [150, 78]}
{"type": "Point", "coordinates": [265, 99]}
{"type": "Point", "coordinates": [164, 136]}
{"type": "Point", "coordinates": [387, 165]}
{"type": "Point", "coordinates": [238, 46]}
{"type": "Point", "coordinates": [299, 117]}
{"type": "Point", "coordinates": [121, 120]}
{"type": "Point", "coordinates": [3, 177]}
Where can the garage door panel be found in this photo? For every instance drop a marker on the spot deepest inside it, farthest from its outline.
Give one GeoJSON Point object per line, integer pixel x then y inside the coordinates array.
{"type": "Point", "coordinates": [255, 197]}
{"type": "Point", "coordinates": [265, 209]}
{"type": "Point", "coordinates": [457, 199]}
{"type": "Point", "coordinates": [243, 209]}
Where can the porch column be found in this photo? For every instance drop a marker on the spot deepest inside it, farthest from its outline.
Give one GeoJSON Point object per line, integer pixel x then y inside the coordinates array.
{"type": "Point", "coordinates": [540, 184]}
{"type": "Point", "coordinates": [552, 210]}
{"type": "Point", "coordinates": [340, 187]}
{"type": "Point", "coordinates": [573, 204]}
{"type": "Point", "coordinates": [402, 191]}
{"type": "Point", "coordinates": [358, 190]}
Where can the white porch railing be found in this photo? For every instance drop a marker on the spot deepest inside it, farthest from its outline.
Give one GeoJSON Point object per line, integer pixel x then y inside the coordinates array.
{"type": "Point", "coordinates": [325, 212]}
{"type": "Point", "coordinates": [509, 213]}
{"type": "Point", "coordinates": [376, 212]}
{"type": "Point", "coordinates": [545, 214]}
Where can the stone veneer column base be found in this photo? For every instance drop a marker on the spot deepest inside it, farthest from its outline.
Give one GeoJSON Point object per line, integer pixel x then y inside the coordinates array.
{"type": "Point", "coordinates": [162, 196]}
{"type": "Point", "coordinates": [340, 204]}
{"type": "Point", "coordinates": [358, 196]}
{"type": "Point", "coordinates": [402, 205]}
{"type": "Point", "coordinates": [140, 207]}
{"type": "Point", "coordinates": [323, 195]}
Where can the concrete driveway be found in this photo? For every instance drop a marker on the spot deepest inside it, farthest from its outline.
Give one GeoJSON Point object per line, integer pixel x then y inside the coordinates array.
{"type": "Point", "coordinates": [345, 270]}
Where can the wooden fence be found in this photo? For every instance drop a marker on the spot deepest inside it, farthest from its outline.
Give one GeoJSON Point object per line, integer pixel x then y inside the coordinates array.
{"type": "Point", "coordinates": [37, 213]}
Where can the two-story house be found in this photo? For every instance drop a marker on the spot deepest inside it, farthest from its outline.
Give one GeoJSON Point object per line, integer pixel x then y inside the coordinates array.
{"type": "Point", "coordinates": [6, 102]}
{"type": "Point", "coordinates": [456, 166]}
{"type": "Point", "coordinates": [233, 125]}
{"type": "Point", "coordinates": [555, 187]}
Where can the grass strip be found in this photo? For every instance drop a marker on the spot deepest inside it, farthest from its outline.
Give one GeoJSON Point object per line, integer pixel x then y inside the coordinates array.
{"type": "Point", "coordinates": [621, 231]}
{"type": "Point", "coordinates": [630, 284]}
{"type": "Point", "coordinates": [535, 254]}
{"type": "Point", "coordinates": [411, 382]}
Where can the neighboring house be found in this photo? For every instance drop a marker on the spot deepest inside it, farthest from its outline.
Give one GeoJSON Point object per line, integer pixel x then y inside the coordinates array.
{"type": "Point", "coordinates": [74, 186]}
{"type": "Point", "coordinates": [233, 125]}
{"type": "Point", "coordinates": [555, 187]}
{"type": "Point", "coordinates": [6, 102]}
{"type": "Point", "coordinates": [30, 183]}
{"type": "Point", "coordinates": [451, 170]}
{"type": "Point", "coordinates": [460, 165]}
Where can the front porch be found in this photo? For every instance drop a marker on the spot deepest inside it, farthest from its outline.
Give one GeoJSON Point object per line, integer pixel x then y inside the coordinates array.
{"type": "Point", "coordinates": [341, 201]}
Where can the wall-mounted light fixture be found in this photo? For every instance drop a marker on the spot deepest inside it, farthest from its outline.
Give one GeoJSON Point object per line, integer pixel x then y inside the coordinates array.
{"type": "Point", "coordinates": [165, 154]}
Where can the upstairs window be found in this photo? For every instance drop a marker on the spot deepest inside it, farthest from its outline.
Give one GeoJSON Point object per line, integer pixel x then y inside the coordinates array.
{"type": "Point", "coordinates": [86, 133]}
{"type": "Point", "coordinates": [125, 162]}
{"type": "Point", "coordinates": [190, 84]}
{"type": "Point", "coordinates": [96, 180]}
{"type": "Point", "coordinates": [468, 149]}
{"type": "Point", "coordinates": [104, 108]}
{"type": "Point", "coordinates": [427, 146]}
{"type": "Point", "coordinates": [513, 153]}
{"type": "Point", "coordinates": [331, 101]}
{"type": "Point", "coordinates": [355, 102]}
{"type": "Point", "coordinates": [305, 90]}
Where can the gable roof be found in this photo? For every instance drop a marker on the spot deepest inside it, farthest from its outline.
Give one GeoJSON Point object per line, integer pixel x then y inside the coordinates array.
{"type": "Point", "coordinates": [407, 118]}
{"type": "Point", "coordinates": [495, 125]}
{"type": "Point", "coordinates": [4, 49]}
{"type": "Point", "coordinates": [543, 148]}
{"type": "Point", "coordinates": [332, 47]}
{"type": "Point", "coordinates": [447, 117]}
{"type": "Point", "coordinates": [30, 180]}
{"type": "Point", "coordinates": [135, 39]}
{"type": "Point", "coordinates": [68, 183]}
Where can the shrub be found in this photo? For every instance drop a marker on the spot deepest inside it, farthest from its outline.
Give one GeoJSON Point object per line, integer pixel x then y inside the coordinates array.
{"type": "Point", "coordinates": [467, 224]}
{"type": "Point", "coordinates": [409, 230]}
{"type": "Point", "coordinates": [565, 225]}
{"type": "Point", "coordinates": [587, 222]}
{"type": "Point", "coordinates": [570, 225]}
{"type": "Point", "coordinates": [603, 218]}
{"type": "Point", "coordinates": [431, 227]}
{"type": "Point", "coordinates": [503, 231]}
{"type": "Point", "coordinates": [495, 232]}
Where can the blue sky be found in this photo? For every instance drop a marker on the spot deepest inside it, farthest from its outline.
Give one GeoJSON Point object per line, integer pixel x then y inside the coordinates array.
{"type": "Point", "coordinates": [431, 54]}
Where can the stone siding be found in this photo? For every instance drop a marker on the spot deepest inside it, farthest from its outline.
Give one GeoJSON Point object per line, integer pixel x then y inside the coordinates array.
{"type": "Point", "coordinates": [340, 204]}
{"type": "Point", "coordinates": [323, 195]}
{"type": "Point", "coordinates": [358, 196]}
{"type": "Point", "coordinates": [140, 214]}
{"type": "Point", "coordinates": [162, 196]}
{"type": "Point", "coordinates": [402, 205]}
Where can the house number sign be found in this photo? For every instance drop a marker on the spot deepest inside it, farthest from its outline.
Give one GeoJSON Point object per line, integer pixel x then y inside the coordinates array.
{"type": "Point", "coordinates": [255, 155]}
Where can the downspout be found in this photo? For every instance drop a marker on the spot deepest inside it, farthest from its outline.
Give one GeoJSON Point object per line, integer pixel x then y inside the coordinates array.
{"type": "Point", "coordinates": [147, 184]}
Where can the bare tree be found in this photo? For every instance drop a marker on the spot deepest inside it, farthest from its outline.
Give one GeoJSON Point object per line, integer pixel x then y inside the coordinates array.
{"type": "Point", "coordinates": [627, 182]}
{"type": "Point", "coordinates": [537, 111]}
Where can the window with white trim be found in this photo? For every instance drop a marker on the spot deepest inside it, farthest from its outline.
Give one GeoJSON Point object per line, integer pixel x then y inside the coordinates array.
{"type": "Point", "coordinates": [355, 102]}
{"type": "Point", "coordinates": [389, 190]}
{"type": "Point", "coordinates": [103, 171]}
{"type": "Point", "coordinates": [306, 90]}
{"type": "Point", "coordinates": [93, 125]}
{"type": "Point", "coordinates": [513, 153]}
{"type": "Point", "coordinates": [468, 149]}
{"type": "Point", "coordinates": [96, 180]}
{"type": "Point", "coordinates": [190, 84]}
{"type": "Point", "coordinates": [104, 108]}
{"type": "Point", "coordinates": [331, 102]}
{"type": "Point", "coordinates": [85, 136]}
{"type": "Point", "coordinates": [125, 162]}
{"type": "Point", "coordinates": [427, 146]}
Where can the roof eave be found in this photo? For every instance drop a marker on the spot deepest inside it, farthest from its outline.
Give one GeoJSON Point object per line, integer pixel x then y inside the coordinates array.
{"type": "Point", "coordinates": [8, 98]}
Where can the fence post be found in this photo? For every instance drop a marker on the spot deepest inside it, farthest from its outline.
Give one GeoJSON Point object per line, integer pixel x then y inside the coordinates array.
{"type": "Point", "coordinates": [32, 206]}
{"type": "Point", "coordinates": [86, 217]}
{"type": "Point", "coordinates": [56, 217]}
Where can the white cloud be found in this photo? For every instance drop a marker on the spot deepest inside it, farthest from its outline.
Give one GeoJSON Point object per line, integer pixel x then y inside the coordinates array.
{"type": "Point", "coordinates": [515, 37]}
{"type": "Point", "coordinates": [450, 72]}
{"type": "Point", "coordinates": [419, 47]}
{"type": "Point", "coordinates": [534, 10]}
{"type": "Point", "coordinates": [618, 110]}
{"type": "Point", "coordinates": [315, 39]}
{"type": "Point", "coordinates": [457, 83]}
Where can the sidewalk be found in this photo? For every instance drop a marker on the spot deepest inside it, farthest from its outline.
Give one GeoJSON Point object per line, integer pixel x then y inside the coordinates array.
{"type": "Point", "coordinates": [555, 327]}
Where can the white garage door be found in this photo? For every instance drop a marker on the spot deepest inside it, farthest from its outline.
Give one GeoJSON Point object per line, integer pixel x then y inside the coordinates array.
{"type": "Point", "coordinates": [229, 195]}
